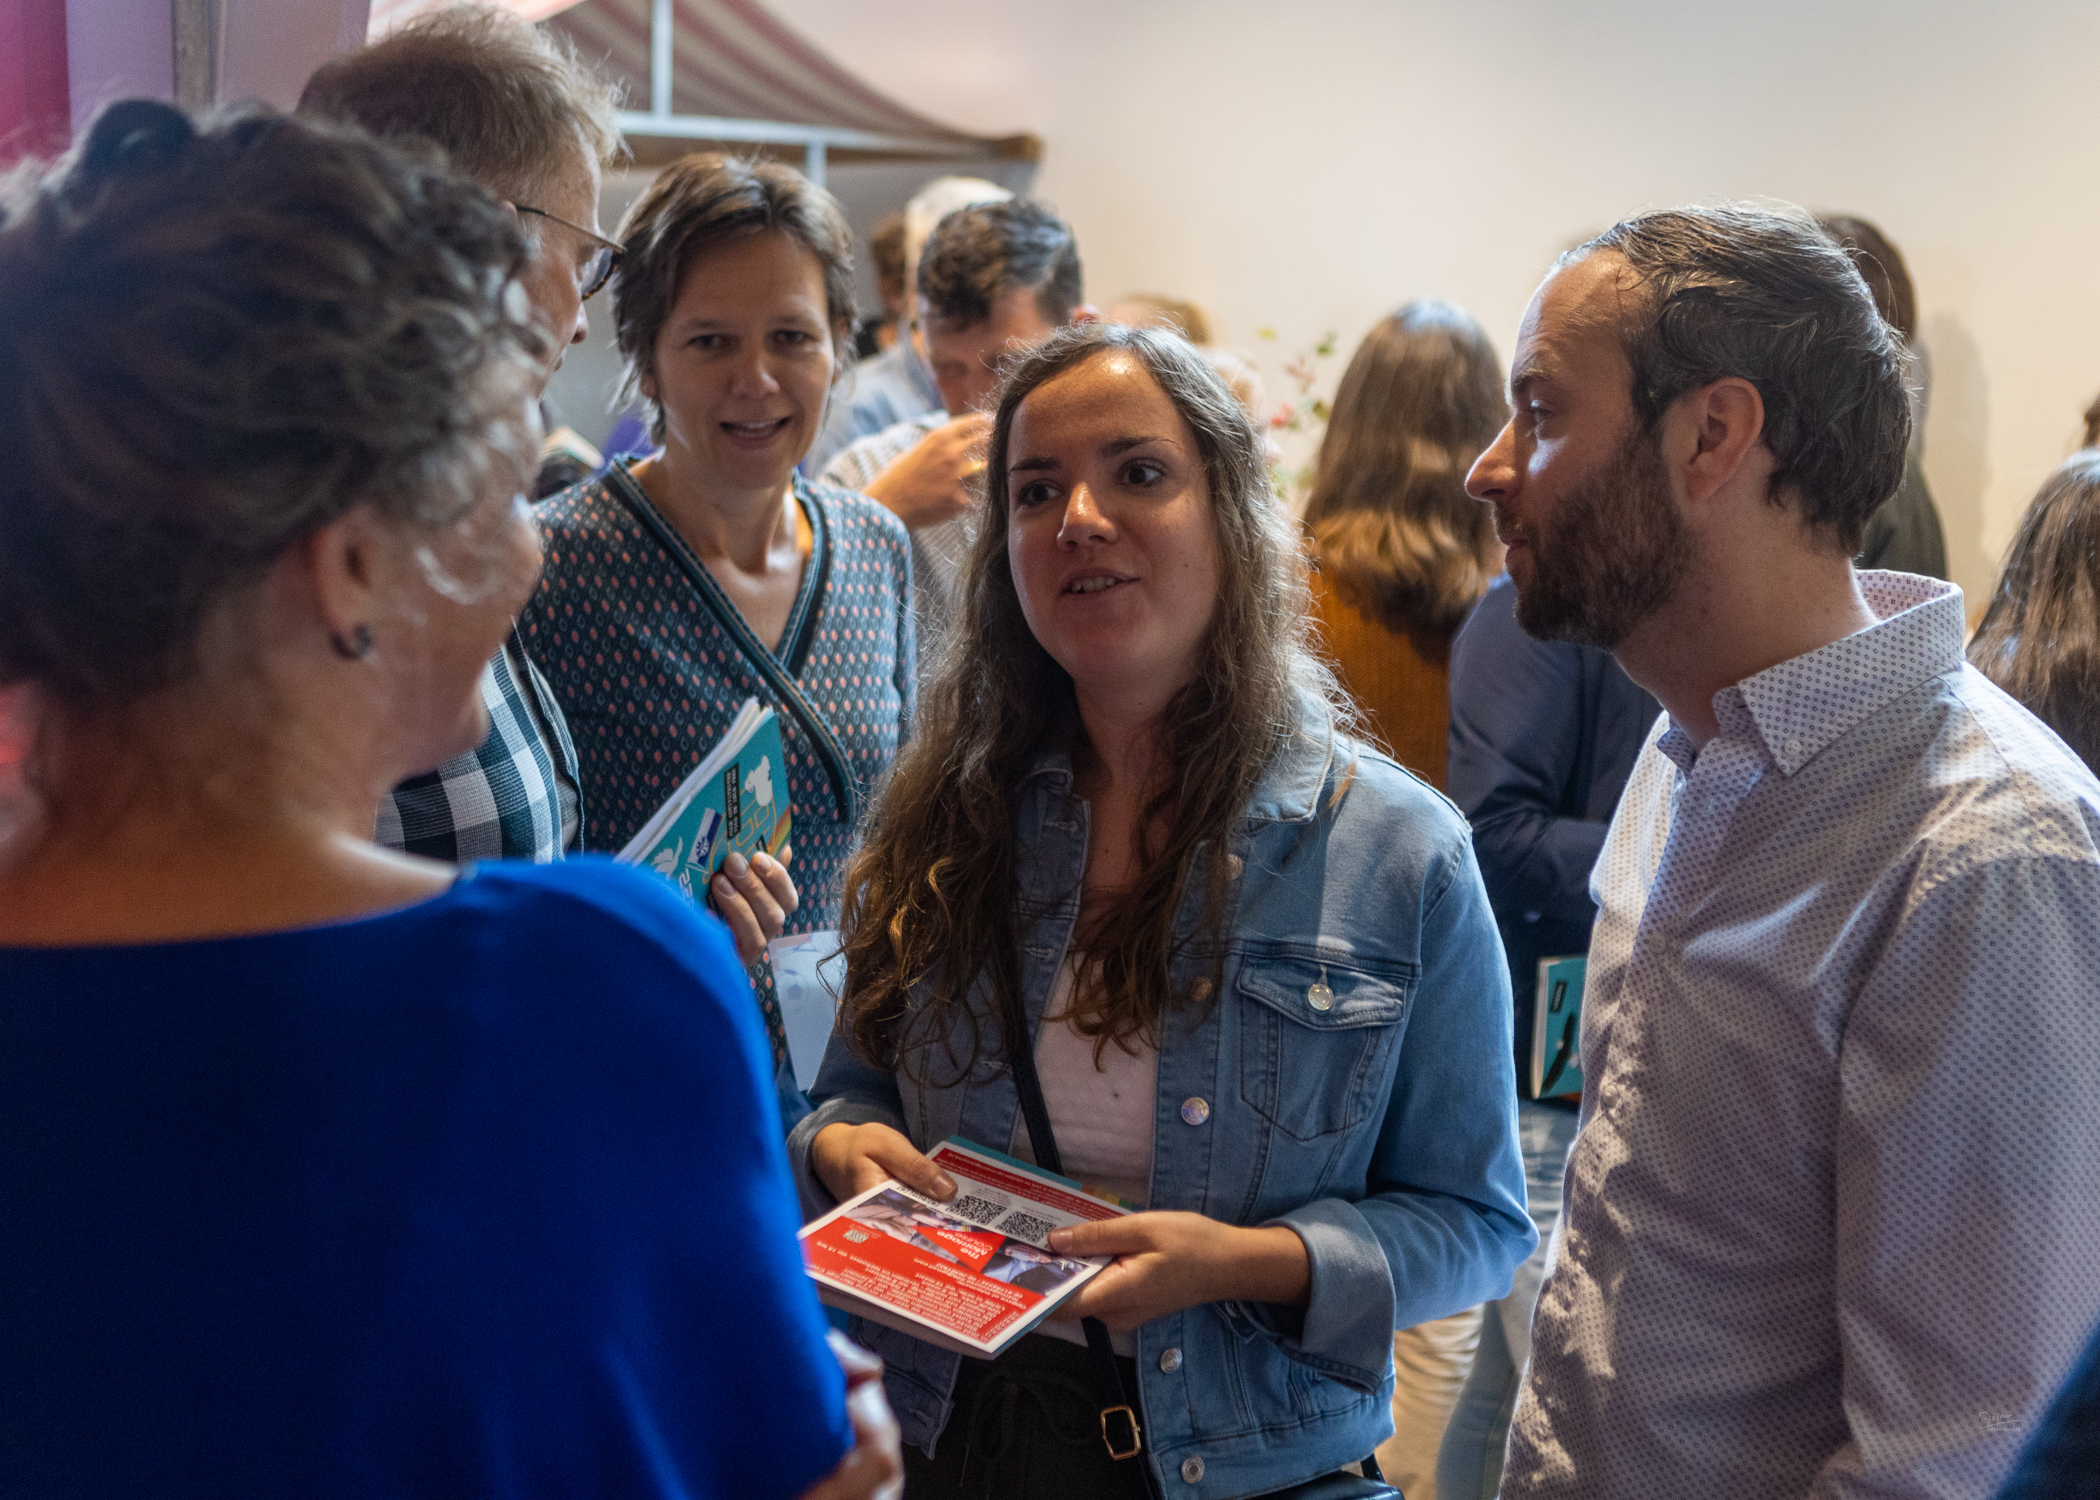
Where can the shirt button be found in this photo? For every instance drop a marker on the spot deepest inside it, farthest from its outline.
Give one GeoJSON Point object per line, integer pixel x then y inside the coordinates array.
{"type": "Point", "coordinates": [1195, 1111]}
{"type": "Point", "coordinates": [1793, 748]}
{"type": "Point", "coordinates": [1191, 1470]}
{"type": "Point", "coordinates": [1170, 1361]}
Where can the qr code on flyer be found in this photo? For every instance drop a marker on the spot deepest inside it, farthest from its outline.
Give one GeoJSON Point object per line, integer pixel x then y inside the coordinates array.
{"type": "Point", "coordinates": [1020, 1226]}
{"type": "Point", "coordinates": [976, 1210]}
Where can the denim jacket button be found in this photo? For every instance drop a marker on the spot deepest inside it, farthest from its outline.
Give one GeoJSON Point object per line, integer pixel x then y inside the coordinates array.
{"type": "Point", "coordinates": [1319, 997]}
{"type": "Point", "coordinates": [1191, 1470]}
{"type": "Point", "coordinates": [1170, 1361]}
{"type": "Point", "coordinates": [1200, 991]}
{"type": "Point", "coordinates": [1234, 865]}
{"type": "Point", "coordinates": [1195, 1111]}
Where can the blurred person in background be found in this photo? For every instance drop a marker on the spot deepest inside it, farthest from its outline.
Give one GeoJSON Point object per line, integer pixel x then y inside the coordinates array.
{"type": "Point", "coordinates": [1400, 552]}
{"type": "Point", "coordinates": [1247, 957]}
{"type": "Point", "coordinates": [710, 572]}
{"type": "Point", "coordinates": [1245, 383]}
{"type": "Point", "coordinates": [878, 331]}
{"type": "Point", "coordinates": [1905, 535]}
{"type": "Point", "coordinates": [993, 280]}
{"type": "Point", "coordinates": [898, 384]}
{"type": "Point", "coordinates": [2040, 637]}
{"type": "Point", "coordinates": [1150, 310]}
{"type": "Point", "coordinates": [317, 1175]}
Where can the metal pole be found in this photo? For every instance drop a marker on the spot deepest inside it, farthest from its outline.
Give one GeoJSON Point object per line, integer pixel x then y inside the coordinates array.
{"type": "Point", "coordinates": [813, 160]}
{"type": "Point", "coordinates": [196, 38]}
{"type": "Point", "coordinates": [660, 59]}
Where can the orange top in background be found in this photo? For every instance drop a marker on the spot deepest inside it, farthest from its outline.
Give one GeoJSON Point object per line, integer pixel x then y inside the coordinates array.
{"type": "Point", "coordinates": [1402, 682]}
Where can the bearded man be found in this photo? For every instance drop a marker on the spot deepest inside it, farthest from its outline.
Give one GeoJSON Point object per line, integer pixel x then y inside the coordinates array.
{"type": "Point", "coordinates": [1830, 1215]}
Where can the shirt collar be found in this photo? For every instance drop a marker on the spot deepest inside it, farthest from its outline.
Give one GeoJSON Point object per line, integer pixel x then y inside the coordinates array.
{"type": "Point", "coordinates": [920, 374]}
{"type": "Point", "coordinates": [1800, 707]}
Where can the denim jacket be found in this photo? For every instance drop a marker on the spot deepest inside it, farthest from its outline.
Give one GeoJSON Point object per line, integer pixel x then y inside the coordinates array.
{"type": "Point", "coordinates": [1379, 1125]}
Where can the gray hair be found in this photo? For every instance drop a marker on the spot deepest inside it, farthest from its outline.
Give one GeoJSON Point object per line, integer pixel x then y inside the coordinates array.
{"type": "Point", "coordinates": [214, 340]}
{"type": "Point", "coordinates": [511, 105]}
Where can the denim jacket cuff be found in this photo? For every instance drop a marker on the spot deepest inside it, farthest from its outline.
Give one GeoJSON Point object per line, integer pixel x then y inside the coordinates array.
{"type": "Point", "coordinates": [1346, 1329]}
{"type": "Point", "coordinates": [816, 1198]}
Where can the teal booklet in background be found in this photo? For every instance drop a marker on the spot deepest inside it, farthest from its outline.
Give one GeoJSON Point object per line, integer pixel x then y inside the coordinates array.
{"type": "Point", "coordinates": [1556, 1028]}
{"type": "Point", "coordinates": [734, 800]}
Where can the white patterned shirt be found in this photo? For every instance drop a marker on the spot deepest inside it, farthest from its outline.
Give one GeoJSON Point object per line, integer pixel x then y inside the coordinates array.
{"type": "Point", "coordinates": [1833, 1219]}
{"type": "Point", "coordinates": [939, 551]}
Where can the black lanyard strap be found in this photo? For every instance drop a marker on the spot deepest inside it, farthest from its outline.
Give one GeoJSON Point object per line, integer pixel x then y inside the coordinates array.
{"type": "Point", "coordinates": [845, 786]}
{"type": "Point", "coordinates": [1120, 1432]}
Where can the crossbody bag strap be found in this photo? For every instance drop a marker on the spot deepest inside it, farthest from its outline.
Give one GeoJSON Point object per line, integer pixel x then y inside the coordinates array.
{"type": "Point", "coordinates": [845, 786]}
{"type": "Point", "coordinates": [1120, 1432]}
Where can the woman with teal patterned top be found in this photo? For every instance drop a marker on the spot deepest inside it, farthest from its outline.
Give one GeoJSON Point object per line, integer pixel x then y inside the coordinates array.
{"type": "Point", "coordinates": [710, 572]}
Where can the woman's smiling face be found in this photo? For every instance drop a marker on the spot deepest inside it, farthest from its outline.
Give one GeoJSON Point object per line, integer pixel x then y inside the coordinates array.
{"type": "Point", "coordinates": [1110, 534]}
{"type": "Point", "coordinates": [744, 362]}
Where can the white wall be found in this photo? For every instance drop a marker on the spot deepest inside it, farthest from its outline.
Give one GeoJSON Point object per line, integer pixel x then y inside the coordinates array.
{"type": "Point", "coordinates": [1309, 167]}
{"type": "Point", "coordinates": [118, 49]}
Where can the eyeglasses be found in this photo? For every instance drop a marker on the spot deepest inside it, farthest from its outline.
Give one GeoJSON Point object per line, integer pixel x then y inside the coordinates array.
{"type": "Point", "coordinates": [605, 259]}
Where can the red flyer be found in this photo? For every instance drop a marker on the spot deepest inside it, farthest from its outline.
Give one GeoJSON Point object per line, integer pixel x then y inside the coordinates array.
{"type": "Point", "coordinates": [972, 1274]}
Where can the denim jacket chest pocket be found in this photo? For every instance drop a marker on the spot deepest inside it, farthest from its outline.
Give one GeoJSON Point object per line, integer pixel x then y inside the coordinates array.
{"type": "Point", "coordinates": [1318, 1032]}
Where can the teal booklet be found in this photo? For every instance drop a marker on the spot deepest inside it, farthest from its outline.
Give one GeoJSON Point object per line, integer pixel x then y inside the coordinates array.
{"type": "Point", "coordinates": [734, 801]}
{"type": "Point", "coordinates": [1556, 1028]}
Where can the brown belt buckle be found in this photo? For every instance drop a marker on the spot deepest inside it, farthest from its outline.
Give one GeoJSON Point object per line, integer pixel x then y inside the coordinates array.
{"type": "Point", "coordinates": [1137, 1438]}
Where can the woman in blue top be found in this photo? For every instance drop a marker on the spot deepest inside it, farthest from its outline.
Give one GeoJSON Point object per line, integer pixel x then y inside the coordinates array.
{"type": "Point", "coordinates": [326, 1170]}
{"type": "Point", "coordinates": [1264, 992]}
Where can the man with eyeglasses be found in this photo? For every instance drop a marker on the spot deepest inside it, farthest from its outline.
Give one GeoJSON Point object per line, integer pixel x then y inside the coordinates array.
{"type": "Point", "coordinates": [515, 110]}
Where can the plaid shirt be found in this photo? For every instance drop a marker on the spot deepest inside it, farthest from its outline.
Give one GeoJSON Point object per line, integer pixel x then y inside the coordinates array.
{"type": "Point", "coordinates": [510, 799]}
{"type": "Point", "coordinates": [938, 552]}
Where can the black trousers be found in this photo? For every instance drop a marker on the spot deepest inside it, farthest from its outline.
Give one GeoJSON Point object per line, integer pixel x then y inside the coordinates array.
{"type": "Point", "coordinates": [1027, 1426]}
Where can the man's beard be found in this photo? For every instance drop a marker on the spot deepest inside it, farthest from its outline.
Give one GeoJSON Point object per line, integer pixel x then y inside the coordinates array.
{"type": "Point", "coordinates": [1612, 552]}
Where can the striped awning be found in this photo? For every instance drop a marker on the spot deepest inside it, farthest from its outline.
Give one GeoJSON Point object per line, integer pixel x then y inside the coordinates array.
{"type": "Point", "coordinates": [732, 60]}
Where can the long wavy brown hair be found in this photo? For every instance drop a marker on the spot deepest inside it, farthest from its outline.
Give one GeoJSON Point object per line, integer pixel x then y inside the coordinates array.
{"type": "Point", "coordinates": [2040, 638]}
{"type": "Point", "coordinates": [1392, 526]}
{"type": "Point", "coordinates": [932, 901]}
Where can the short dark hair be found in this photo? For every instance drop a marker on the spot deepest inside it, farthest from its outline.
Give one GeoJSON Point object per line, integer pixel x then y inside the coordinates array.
{"type": "Point", "coordinates": [2040, 638]}
{"type": "Point", "coordinates": [700, 203]}
{"type": "Point", "coordinates": [977, 255]}
{"type": "Point", "coordinates": [1881, 265]}
{"type": "Point", "coordinates": [509, 103]}
{"type": "Point", "coordinates": [1768, 297]}
{"type": "Point", "coordinates": [214, 340]}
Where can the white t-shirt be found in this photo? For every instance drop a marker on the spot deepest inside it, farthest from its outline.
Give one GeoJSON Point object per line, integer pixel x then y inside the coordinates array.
{"type": "Point", "coordinates": [1101, 1115]}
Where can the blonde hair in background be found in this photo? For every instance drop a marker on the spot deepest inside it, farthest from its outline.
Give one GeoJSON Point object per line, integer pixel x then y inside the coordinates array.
{"type": "Point", "coordinates": [1153, 310]}
{"type": "Point", "coordinates": [1392, 527]}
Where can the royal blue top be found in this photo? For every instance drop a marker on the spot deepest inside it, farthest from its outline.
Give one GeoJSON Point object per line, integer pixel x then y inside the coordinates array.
{"type": "Point", "coordinates": [483, 1197]}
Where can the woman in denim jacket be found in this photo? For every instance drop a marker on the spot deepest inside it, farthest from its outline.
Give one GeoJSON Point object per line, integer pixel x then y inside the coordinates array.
{"type": "Point", "coordinates": [1267, 996]}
